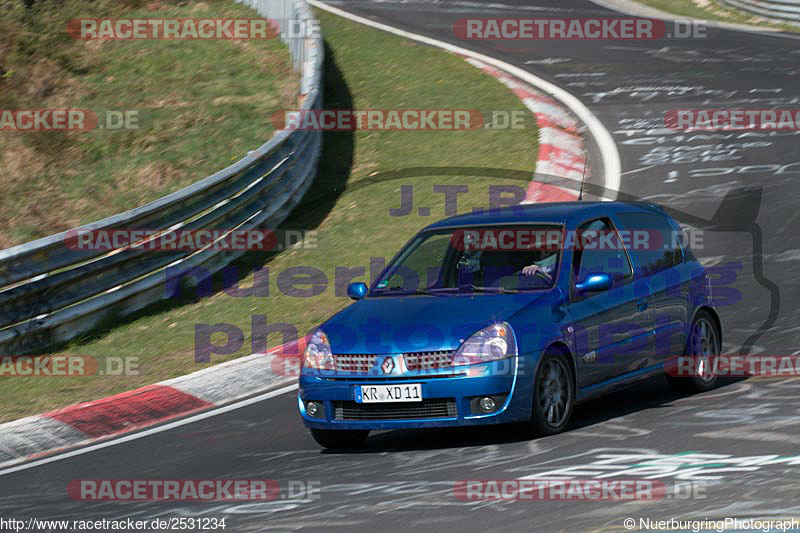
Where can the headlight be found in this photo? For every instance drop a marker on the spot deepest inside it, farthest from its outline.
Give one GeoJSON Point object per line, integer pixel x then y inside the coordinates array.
{"type": "Point", "coordinates": [318, 352]}
{"type": "Point", "coordinates": [489, 344]}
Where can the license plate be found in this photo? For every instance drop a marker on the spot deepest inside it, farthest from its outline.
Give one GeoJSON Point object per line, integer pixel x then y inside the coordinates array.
{"type": "Point", "coordinates": [407, 392]}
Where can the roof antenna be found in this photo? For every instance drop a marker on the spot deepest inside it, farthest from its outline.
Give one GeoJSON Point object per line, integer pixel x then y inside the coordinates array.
{"type": "Point", "coordinates": [583, 176]}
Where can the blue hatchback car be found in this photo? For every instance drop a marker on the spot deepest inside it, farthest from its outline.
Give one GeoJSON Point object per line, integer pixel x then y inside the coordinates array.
{"type": "Point", "coordinates": [513, 315]}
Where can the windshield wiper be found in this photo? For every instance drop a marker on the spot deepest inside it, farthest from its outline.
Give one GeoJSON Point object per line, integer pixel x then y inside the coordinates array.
{"type": "Point", "coordinates": [478, 288]}
{"type": "Point", "coordinates": [409, 291]}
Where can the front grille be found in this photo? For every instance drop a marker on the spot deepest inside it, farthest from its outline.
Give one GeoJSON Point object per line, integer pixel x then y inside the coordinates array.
{"type": "Point", "coordinates": [416, 361]}
{"type": "Point", "coordinates": [414, 377]}
{"type": "Point", "coordinates": [354, 362]}
{"type": "Point", "coordinates": [433, 408]}
{"type": "Point", "coordinates": [362, 363]}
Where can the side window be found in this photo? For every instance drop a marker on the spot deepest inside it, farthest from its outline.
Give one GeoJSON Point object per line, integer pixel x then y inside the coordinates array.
{"type": "Point", "coordinates": [593, 255]}
{"type": "Point", "coordinates": [656, 244]}
{"type": "Point", "coordinates": [423, 268]}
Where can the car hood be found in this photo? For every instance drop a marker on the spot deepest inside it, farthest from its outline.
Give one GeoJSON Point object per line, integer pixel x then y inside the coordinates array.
{"type": "Point", "coordinates": [389, 324]}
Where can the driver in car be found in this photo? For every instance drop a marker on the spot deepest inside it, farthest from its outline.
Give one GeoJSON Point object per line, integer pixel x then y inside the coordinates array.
{"type": "Point", "coordinates": [545, 264]}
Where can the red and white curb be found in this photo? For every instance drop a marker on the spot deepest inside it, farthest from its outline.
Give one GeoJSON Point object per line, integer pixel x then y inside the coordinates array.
{"type": "Point", "coordinates": [562, 155]}
{"type": "Point", "coordinates": [81, 424]}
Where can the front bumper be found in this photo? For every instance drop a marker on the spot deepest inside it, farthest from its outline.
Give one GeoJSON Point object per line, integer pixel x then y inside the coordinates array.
{"type": "Point", "coordinates": [447, 399]}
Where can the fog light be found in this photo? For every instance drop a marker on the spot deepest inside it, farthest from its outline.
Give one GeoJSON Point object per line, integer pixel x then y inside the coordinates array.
{"type": "Point", "coordinates": [312, 408]}
{"type": "Point", "coordinates": [486, 404]}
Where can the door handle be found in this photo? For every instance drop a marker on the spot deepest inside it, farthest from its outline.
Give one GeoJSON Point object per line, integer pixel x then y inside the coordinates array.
{"type": "Point", "coordinates": [642, 304]}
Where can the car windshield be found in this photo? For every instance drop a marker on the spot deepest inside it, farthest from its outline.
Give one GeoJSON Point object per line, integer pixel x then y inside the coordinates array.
{"type": "Point", "coordinates": [475, 259]}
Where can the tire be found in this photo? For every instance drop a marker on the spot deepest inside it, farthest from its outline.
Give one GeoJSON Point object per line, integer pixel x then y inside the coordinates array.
{"type": "Point", "coordinates": [553, 396]}
{"type": "Point", "coordinates": [704, 341]}
{"type": "Point", "coordinates": [337, 439]}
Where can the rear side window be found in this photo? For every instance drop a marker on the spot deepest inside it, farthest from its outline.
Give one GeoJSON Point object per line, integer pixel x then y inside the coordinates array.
{"type": "Point", "coordinates": [662, 249]}
{"type": "Point", "coordinates": [590, 261]}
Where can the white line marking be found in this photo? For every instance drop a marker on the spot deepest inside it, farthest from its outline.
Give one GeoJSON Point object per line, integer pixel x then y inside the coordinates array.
{"type": "Point", "coordinates": [611, 161]}
{"type": "Point", "coordinates": [637, 170]}
{"type": "Point", "coordinates": [151, 431]}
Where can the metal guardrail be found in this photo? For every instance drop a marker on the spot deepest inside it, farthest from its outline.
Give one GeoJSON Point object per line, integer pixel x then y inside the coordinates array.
{"type": "Point", "coordinates": [777, 9]}
{"type": "Point", "coordinates": [50, 293]}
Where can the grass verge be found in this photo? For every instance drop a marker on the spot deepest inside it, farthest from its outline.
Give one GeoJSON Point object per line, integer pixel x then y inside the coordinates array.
{"type": "Point", "coordinates": [711, 10]}
{"type": "Point", "coordinates": [360, 179]}
{"type": "Point", "coordinates": [202, 104]}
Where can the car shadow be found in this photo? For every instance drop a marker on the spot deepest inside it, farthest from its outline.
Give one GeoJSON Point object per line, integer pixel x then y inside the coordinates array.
{"type": "Point", "coordinates": [335, 167]}
{"type": "Point", "coordinates": [653, 393]}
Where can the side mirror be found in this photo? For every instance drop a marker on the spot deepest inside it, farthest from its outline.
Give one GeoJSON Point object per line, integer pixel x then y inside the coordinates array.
{"type": "Point", "coordinates": [357, 290]}
{"type": "Point", "coordinates": [595, 283]}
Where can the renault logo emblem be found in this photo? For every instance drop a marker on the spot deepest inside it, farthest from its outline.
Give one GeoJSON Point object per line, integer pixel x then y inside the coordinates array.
{"type": "Point", "coordinates": [388, 365]}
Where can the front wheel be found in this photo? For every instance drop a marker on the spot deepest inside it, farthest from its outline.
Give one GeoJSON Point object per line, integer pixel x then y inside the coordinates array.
{"type": "Point", "coordinates": [553, 396]}
{"type": "Point", "coordinates": [339, 438]}
{"type": "Point", "coordinates": [703, 345]}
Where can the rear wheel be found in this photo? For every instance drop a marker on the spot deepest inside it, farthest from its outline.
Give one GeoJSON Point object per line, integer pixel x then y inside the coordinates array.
{"type": "Point", "coordinates": [553, 395]}
{"type": "Point", "coordinates": [703, 345]}
{"type": "Point", "coordinates": [339, 438]}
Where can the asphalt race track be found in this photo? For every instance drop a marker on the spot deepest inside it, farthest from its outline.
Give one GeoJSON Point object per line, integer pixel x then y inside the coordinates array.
{"type": "Point", "coordinates": [403, 481]}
